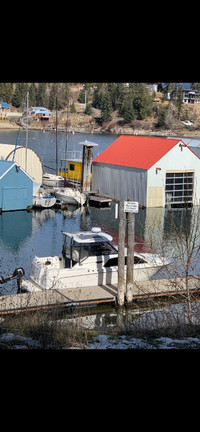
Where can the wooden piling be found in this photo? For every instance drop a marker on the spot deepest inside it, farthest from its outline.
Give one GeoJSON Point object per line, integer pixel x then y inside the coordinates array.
{"type": "Point", "coordinates": [130, 256]}
{"type": "Point", "coordinates": [121, 255]}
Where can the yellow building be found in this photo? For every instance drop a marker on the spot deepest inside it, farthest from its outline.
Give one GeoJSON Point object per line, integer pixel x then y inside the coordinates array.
{"type": "Point", "coordinates": [72, 170]}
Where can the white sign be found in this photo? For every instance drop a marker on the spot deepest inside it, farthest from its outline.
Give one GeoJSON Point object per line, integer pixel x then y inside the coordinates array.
{"type": "Point", "coordinates": [131, 206]}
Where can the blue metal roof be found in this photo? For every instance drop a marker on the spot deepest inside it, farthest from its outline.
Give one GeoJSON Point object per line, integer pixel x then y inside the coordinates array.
{"type": "Point", "coordinates": [40, 110]}
{"type": "Point", "coordinates": [4, 166]}
{"type": "Point", "coordinates": [4, 105]}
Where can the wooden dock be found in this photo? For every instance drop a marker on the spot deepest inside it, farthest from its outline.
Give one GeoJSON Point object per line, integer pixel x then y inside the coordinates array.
{"type": "Point", "coordinates": [93, 295]}
{"type": "Point", "coordinates": [99, 201]}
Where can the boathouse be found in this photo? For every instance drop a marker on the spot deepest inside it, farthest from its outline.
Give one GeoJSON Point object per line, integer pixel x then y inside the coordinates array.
{"type": "Point", "coordinates": [16, 187]}
{"type": "Point", "coordinates": [154, 171]}
{"type": "Point", "coordinates": [28, 159]}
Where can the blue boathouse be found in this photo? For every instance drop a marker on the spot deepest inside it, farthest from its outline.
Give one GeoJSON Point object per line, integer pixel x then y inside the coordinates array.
{"type": "Point", "coordinates": [16, 187]}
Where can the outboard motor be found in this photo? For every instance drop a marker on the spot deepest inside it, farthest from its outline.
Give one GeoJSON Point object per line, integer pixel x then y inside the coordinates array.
{"type": "Point", "coordinates": [17, 274]}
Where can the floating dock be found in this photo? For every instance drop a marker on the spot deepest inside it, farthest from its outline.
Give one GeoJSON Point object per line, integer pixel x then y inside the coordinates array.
{"type": "Point", "coordinates": [99, 201]}
{"type": "Point", "coordinates": [86, 296]}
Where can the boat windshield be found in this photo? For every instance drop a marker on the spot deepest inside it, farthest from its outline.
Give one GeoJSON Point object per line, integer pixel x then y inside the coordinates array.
{"type": "Point", "coordinates": [76, 252]}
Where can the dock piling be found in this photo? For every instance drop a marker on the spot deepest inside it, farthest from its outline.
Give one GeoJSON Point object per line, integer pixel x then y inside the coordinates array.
{"type": "Point", "coordinates": [121, 255]}
{"type": "Point", "coordinates": [130, 256]}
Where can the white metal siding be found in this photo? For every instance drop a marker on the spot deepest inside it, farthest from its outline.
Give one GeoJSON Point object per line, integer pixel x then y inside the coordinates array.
{"type": "Point", "coordinates": [178, 159]}
{"type": "Point", "coordinates": [120, 182]}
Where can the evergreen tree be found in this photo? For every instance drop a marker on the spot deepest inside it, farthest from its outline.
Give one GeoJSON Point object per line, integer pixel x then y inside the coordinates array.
{"type": "Point", "coordinates": [81, 98]}
{"type": "Point", "coordinates": [63, 95]}
{"type": "Point", "coordinates": [141, 101]}
{"type": "Point", "coordinates": [19, 96]}
{"type": "Point", "coordinates": [6, 92]}
{"type": "Point", "coordinates": [88, 109]}
{"type": "Point", "coordinates": [127, 109]}
{"type": "Point", "coordinates": [32, 94]}
{"type": "Point", "coordinates": [114, 93]}
{"type": "Point", "coordinates": [161, 117]}
{"type": "Point", "coordinates": [53, 95]}
{"type": "Point", "coordinates": [97, 97]}
{"type": "Point", "coordinates": [106, 108]}
{"type": "Point", "coordinates": [179, 100]}
{"type": "Point", "coordinates": [41, 96]}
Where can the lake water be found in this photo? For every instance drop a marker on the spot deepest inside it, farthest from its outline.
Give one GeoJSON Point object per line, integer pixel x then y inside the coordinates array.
{"type": "Point", "coordinates": [39, 232]}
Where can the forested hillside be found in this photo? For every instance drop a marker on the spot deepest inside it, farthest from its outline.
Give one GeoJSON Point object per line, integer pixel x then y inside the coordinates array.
{"type": "Point", "coordinates": [124, 103]}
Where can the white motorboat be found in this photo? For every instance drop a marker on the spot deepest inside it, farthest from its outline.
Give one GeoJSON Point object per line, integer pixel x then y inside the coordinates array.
{"type": "Point", "coordinates": [41, 198]}
{"type": "Point", "coordinates": [88, 259]}
{"type": "Point", "coordinates": [52, 180]}
{"type": "Point", "coordinates": [70, 196]}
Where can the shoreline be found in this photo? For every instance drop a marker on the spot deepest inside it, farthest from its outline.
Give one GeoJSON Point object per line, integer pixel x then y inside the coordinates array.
{"type": "Point", "coordinates": [112, 131]}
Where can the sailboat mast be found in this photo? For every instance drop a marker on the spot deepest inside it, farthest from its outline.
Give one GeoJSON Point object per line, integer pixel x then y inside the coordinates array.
{"type": "Point", "coordinates": [27, 108]}
{"type": "Point", "coordinates": [56, 135]}
{"type": "Point", "coordinates": [66, 146]}
{"type": "Point", "coordinates": [18, 133]}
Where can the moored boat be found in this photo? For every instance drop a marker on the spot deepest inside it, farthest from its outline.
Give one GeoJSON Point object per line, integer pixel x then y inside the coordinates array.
{"type": "Point", "coordinates": [70, 196]}
{"type": "Point", "coordinates": [44, 201]}
{"type": "Point", "coordinates": [41, 198]}
{"type": "Point", "coordinates": [52, 180]}
{"type": "Point", "coordinates": [88, 259]}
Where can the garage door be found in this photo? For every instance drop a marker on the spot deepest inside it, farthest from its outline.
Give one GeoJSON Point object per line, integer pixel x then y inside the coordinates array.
{"type": "Point", "coordinates": [179, 187]}
{"type": "Point", "coordinates": [14, 198]}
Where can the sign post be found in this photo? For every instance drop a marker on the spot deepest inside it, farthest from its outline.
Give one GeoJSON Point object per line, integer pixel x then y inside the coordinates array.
{"type": "Point", "coordinates": [121, 257]}
{"type": "Point", "coordinates": [129, 207]}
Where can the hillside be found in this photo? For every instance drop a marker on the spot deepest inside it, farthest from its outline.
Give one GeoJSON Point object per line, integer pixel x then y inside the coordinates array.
{"type": "Point", "coordinates": [108, 112]}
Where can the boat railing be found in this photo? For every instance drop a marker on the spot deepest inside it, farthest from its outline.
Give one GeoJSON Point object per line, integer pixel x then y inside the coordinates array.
{"type": "Point", "coordinates": [71, 155]}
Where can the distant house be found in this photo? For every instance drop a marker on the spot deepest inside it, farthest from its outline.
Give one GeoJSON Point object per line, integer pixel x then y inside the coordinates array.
{"type": "Point", "coordinates": [39, 113]}
{"type": "Point", "coordinates": [189, 96]}
{"type": "Point", "coordinates": [153, 87]}
{"type": "Point", "coordinates": [4, 109]}
{"type": "Point", "coordinates": [16, 187]}
{"type": "Point", "coordinates": [156, 172]}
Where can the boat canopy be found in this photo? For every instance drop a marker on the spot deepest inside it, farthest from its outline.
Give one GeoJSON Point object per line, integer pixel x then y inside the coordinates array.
{"type": "Point", "coordinates": [93, 236]}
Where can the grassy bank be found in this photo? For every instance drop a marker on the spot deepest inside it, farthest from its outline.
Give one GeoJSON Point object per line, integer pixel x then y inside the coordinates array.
{"type": "Point", "coordinates": [150, 328]}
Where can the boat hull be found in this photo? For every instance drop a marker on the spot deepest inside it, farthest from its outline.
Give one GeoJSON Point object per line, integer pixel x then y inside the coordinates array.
{"type": "Point", "coordinates": [66, 199]}
{"type": "Point", "coordinates": [69, 278]}
{"type": "Point", "coordinates": [44, 202]}
{"type": "Point", "coordinates": [70, 196]}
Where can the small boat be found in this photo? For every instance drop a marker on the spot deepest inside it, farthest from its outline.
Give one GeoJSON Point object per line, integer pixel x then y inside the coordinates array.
{"type": "Point", "coordinates": [41, 198]}
{"type": "Point", "coordinates": [70, 196]}
{"type": "Point", "coordinates": [52, 180]}
{"type": "Point", "coordinates": [88, 259]}
{"type": "Point", "coordinates": [44, 201]}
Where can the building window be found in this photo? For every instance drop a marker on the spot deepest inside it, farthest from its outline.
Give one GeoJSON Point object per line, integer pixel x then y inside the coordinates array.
{"type": "Point", "coordinates": [179, 188]}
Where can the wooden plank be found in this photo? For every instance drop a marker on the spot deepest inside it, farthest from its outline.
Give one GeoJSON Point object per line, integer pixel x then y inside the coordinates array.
{"type": "Point", "coordinates": [53, 298]}
{"type": "Point", "coordinates": [99, 200]}
{"type": "Point", "coordinates": [93, 295]}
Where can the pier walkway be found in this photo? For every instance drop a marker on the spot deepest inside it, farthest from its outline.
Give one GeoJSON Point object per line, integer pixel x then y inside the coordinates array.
{"type": "Point", "coordinates": [86, 296]}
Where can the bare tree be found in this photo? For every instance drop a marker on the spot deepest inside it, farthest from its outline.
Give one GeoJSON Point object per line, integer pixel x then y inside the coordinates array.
{"type": "Point", "coordinates": [179, 238]}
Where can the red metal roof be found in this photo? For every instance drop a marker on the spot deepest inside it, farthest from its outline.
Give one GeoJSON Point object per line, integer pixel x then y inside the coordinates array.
{"type": "Point", "coordinates": [136, 152]}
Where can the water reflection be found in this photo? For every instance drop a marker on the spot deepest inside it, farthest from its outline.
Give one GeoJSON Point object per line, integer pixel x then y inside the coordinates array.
{"type": "Point", "coordinates": [24, 235]}
{"type": "Point", "coordinates": [15, 229]}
